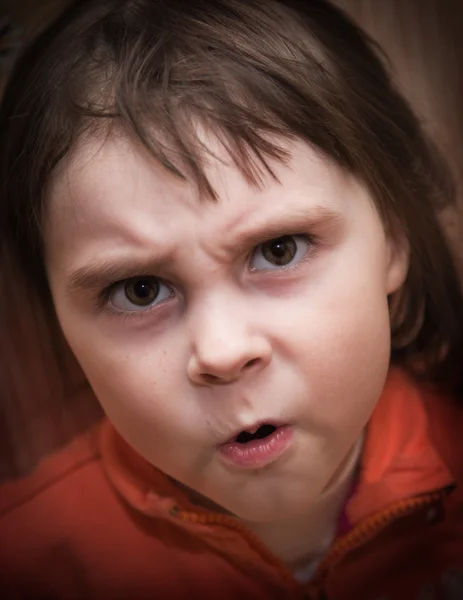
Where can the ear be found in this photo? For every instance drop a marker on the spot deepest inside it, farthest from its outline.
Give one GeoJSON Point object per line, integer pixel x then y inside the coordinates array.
{"type": "Point", "coordinates": [398, 261]}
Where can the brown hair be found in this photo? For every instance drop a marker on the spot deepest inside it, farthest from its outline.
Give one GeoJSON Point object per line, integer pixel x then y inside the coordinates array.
{"type": "Point", "coordinates": [253, 71]}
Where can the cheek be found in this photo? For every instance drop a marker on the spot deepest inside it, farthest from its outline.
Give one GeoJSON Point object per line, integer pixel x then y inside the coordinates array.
{"type": "Point", "coordinates": [151, 408]}
{"type": "Point", "coordinates": [336, 338]}
{"type": "Point", "coordinates": [351, 366]}
{"type": "Point", "coordinates": [140, 388]}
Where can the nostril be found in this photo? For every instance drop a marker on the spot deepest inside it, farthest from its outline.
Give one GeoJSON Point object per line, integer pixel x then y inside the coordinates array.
{"type": "Point", "coordinates": [251, 363]}
{"type": "Point", "coordinates": [226, 378]}
{"type": "Point", "coordinates": [211, 378]}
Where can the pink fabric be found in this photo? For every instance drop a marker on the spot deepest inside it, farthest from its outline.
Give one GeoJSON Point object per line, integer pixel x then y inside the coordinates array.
{"type": "Point", "coordinates": [344, 525]}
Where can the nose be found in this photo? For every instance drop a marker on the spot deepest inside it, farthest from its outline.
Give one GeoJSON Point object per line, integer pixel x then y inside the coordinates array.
{"type": "Point", "coordinates": [225, 347]}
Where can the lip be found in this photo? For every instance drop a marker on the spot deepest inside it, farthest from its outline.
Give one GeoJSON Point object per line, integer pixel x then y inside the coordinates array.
{"type": "Point", "coordinates": [258, 453]}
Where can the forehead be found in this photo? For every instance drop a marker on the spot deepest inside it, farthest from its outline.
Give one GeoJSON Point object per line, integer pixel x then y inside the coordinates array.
{"type": "Point", "coordinates": [113, 204]}
{"type": "Point", "coordinates": [113, 181]}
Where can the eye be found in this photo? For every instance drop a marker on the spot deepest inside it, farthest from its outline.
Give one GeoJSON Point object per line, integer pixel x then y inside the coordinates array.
{"type": "Point", "coordinates": [280, 252]}
{"type": "Point", "coordinates": [139, 293]}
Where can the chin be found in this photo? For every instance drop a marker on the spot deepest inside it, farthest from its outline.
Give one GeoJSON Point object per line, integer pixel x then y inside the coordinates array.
{"type": "Point", "coordinates": [270, 510]}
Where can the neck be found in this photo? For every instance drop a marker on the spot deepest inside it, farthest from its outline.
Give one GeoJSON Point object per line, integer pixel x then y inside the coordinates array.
{"type": "Point", "coordinates": [304, 539]}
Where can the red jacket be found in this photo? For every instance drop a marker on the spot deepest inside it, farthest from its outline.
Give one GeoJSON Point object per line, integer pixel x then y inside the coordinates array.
{"type": "Point", "coordinates": [97, 521]}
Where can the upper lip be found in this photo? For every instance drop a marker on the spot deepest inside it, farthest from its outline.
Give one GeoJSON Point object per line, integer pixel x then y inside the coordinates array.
{"type": "Point", "coordinates": [253, 428]}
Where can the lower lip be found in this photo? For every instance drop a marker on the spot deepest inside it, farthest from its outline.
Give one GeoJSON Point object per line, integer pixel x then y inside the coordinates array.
{"type": "Point", "coordinates": [258, 453]}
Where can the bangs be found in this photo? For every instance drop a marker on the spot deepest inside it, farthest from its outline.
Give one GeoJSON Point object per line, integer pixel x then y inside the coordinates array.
{"type": "Point", "coordinates": [164, 86]}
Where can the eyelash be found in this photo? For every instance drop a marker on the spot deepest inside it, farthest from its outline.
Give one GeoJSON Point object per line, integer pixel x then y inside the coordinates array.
{"type": "Point", "coordinates": [103, 300]}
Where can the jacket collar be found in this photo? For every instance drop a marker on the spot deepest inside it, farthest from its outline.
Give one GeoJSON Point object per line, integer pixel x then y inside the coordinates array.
{"type": "Point", "coordinates": [399, 460]}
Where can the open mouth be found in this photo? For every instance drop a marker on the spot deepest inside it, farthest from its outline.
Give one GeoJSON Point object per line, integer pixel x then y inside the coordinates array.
{"type": "Point", "coordinates": [262, 432]}
{"type": "Point", "coordinates": [257, 447]}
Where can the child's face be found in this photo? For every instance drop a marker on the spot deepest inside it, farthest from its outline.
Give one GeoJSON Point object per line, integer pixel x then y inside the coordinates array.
{"type": "Point", "coordinates": [235, 332]}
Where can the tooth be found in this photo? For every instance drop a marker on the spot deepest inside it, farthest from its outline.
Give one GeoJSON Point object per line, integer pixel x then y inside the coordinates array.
{"type": "Point", "coordinates": [253, 430]}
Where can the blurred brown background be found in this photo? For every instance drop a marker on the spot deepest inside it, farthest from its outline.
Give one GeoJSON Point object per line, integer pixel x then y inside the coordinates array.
{"type": "Point", "coordinates": [31, 13]}
{"type": "Point", "coordinates": [38, 411]}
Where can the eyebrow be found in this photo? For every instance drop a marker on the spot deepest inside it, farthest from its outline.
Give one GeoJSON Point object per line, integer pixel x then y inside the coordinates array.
{"type": "Point", "coordinates": [98, 274]}
{"type": "Point", "coordinates": [317, 218]}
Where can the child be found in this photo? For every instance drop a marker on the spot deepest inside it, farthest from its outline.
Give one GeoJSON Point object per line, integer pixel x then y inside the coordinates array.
{"type": "Point", "coordinates": [233, 215]}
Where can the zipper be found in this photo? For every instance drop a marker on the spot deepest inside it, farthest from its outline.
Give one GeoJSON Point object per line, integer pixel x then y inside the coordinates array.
{"type": "Point", "coordinates": [368, 529]}
{"type": "Point", "coordinates": [253, 540]}
{"type": "Point", "coordinates": [358, 536]}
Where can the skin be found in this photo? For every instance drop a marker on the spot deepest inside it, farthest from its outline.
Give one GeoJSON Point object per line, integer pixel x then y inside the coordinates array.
{"type": "Point", "coordinates": [234, 339]}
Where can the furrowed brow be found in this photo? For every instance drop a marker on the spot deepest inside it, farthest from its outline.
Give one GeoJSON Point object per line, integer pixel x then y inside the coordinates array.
{"type": "Point", "coordinates": [98, 274]}
{"type": "Point", "coordinates": [314, 219]}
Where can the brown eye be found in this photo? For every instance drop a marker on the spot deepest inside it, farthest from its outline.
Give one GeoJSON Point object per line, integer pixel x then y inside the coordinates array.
{"type": "Point", "coordinates": [142, 291]}
{"type": "Point", "coordinates": [280, 251]}
{"type": "Point", "coordinates": [139, 293]}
